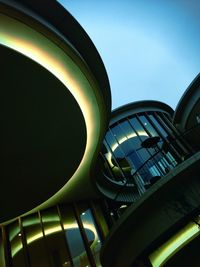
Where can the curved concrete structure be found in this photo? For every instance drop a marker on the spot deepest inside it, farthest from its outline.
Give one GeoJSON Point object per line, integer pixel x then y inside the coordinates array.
{"type": "Point", "coordinates": [139, 106]}
{"type": "Point", "coordinates": [154, 217]}
{"type": "Point", "coordinates": [55, 104]}
{"type": "Point", "coordinates": [130, 140]}
{"type": "Point", "coordinates": [187, 114]}
{"type": "Point", "coordinates": [188, 108]}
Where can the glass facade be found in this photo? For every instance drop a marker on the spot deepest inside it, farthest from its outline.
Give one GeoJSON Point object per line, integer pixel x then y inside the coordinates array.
{"type": "Point", "coordinates": [140, 149]}
{"type": "Point", "coordinates": [64, 236]}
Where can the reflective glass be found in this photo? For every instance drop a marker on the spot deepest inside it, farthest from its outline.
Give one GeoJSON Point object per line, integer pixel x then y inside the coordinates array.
{"type": "Point", "coordinates": [148, 126]}
{"type": "Point", "coordinates": [15, 239]}
{"type": "Point", "coordinates": [110, 164]}
{"type": "Point", "coordinates": [115, 148]}
{"type": "Point", "coordinates": [171, 159]}
{"type": "Point", "coordinates": [119, 139]}
{"type": "Point", "coordinates": [35, 241]}
{"type": "Point", "coordinates": [91, 232]}
{"type": "Point", "coordinates": [163, 120]}
{"type": "Point", "coordinates": [73, 237]}
{"type": "Point", "coordinates": [158, 126]}
{"type": "Point", "coordinates": [139, 128]}
{"type": "Point", "coordinates": [55, 238]}
{"type": "Point", "coordinates": [101, 219]}
{"type": "Point", "coordinates": [131, 135]}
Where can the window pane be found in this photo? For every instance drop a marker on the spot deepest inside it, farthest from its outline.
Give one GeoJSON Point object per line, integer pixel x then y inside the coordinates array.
{"type": "Point", "coordinates": [119, 139]}
{"type": "Point", "coordinates": [35, 241]}
{"type": "Point", "coordinates": [55, 238]}
{"type": "Point", "coordinates": [101, 218]}
{"type": "Point", "coordinates": [139, 129]}
{"type": "Point", "coordinates": [17, 252]}
{"type": "Point", "coordinates": [73, 237]}
{"type": "Point", "coordinates": [158, 126]}
{"type": "Point", "coordinates": [148, 126]}
{"type": "Point", "coordinates": [91, 232]}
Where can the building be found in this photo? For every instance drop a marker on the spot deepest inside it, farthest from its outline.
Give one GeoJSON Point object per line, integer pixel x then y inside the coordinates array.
{"type": "Point", "coordinates": [74, 176]}
{"type": "Point", "coordinates": [151, 165]}
{"type": "Point", "coordinates": [55, 105]}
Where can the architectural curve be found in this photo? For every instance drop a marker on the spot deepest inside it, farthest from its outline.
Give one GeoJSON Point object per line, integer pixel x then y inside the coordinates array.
{"type": "Point", "coordinates": [40, 35]}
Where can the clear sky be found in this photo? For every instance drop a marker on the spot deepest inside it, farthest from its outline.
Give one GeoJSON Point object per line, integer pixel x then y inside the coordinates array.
{"type": "Point", "coordinates": [150, 48]}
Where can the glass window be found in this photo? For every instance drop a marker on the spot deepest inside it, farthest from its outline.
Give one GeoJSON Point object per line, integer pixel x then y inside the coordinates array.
{"type": "Point", "coordinates": [132, 147]}
{"type": "Point", "coordinates": [114, 146]}
{"type": "Point", "coordinates": [35, 241]}
{"type": "Point", "coordinates": [111, 140]}
{"type": "Point", "coordinates": [15, 239]}
{"type": "Point", "coordinates": [162, 119]}
{"type": "Point", "coordinates": [158, 126]}
{"type": "Point", "coordinates": [133, 139]}
{"type": "Point", "coordinates": [139, 128]}
{"type": "Point", "coordinates": [171, 159]}
{"type": "Point", "coordinates": [73, 237]}
{"type": "Point", "coordinates": [148, 126]}
{"type": "Point", "coordinates": [119, 139]}
{"type": "Point", "coordinates": [55, 238]}
{"type": "Point", "coordinates": [101, 219]}
{"type": "Point", "coordinates": [91, 232]}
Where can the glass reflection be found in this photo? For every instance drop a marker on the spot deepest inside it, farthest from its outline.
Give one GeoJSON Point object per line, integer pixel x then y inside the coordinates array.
{"type": "Point", "coordinates": [92, 237]}
{"type": "Point", "coordinates": [37, 251]}
{"type": "Point", "coordinates": [15, 239]}
{"type": "Point", "coordinates": [128, 161]}
{"type": "Point", "coordinates": [73, 237]}
{"type": "Point", "coordinates": [158, 126]}
{"type": "Point", "coordinates": [55, 240]}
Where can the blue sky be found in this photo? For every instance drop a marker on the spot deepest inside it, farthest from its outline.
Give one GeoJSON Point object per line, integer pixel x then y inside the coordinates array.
{"type": "Point", "coordinates": [150, 48]}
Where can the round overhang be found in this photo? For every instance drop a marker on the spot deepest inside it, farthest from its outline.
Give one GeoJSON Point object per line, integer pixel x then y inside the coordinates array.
{"type": "Point", "coordinates": [187, 113]}
{"type": "Point", "coordinates": [137, 107]}
{"type": "Point", "coordinates": [55, 111]}
{"type": "Point", "coordinates": [41, 142]}
{"type": "Point", "coordinates": [147, 222]}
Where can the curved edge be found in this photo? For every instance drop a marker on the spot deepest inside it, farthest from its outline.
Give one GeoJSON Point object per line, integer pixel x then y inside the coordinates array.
{"type": "Point", "coordinates": [57, 16]}
{"type": "Point", "coordinates": [139, 106]}
{"type": "Point", "coordinates": [148, 220]}
{"type": "Point", "coordinates": [93, 65]}
{"type": "Point", "coordinates": [186, 103]}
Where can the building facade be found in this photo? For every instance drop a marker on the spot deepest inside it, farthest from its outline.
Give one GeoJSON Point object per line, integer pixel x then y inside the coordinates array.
{"type": "Point", "coordinates": [82, 186]}
{"type": "Point", "coordinates": [160, 196]}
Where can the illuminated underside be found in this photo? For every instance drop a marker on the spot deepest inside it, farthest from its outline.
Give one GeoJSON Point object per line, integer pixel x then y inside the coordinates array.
{"type": "Point", "coordinates": [76, 77]}
{"type": "Point", "coordinates": [54, 230]}
{"type": "Point", "coordinates": [174, 244]}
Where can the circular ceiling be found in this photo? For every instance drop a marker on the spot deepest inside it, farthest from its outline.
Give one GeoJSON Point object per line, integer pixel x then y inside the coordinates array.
{"type": "Point", "coordinates": [42, 137]}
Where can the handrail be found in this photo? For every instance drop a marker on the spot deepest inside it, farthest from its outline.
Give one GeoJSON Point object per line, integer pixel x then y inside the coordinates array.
{"type": "Point", "coordinates": [122, 188]}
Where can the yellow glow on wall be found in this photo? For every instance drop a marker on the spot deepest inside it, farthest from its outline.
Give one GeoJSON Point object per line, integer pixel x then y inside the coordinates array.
{"type": "Point", "coordinates": [76, 77]}
{"type": "Point", "coordinates": [120, 141]}
{"type": "Point", "coordinates": [53, 230]}
{"type": "Point", "coordinates": [174, 244]}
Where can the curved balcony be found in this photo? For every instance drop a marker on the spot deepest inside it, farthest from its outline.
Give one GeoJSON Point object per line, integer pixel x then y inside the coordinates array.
{"type": "Point", "coordinates": [169, 203]}
{"type": "Point", "coordinates": [132, 184]}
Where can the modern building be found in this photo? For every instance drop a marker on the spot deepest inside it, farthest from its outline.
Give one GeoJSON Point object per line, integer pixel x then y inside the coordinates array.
{"type": "Point", "coordinates": [55, 106]}
{"type": "Point", "coordinates": [150, 164]}
{"type": "Point", "coordinates": [82, 186]}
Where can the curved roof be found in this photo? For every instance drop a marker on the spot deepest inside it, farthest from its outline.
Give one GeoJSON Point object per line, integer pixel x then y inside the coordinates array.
{"type": "Point", "coordinates": [54, 15]}
{"type": "Point", "coordinates": [139, 106]}
{"type": "Point", "coordinates": [189, 106]}
{"type": "Point", "coordinates": [55, 106]}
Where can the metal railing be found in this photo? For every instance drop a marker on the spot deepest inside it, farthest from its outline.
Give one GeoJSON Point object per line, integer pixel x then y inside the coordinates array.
{"type": "Point", "coordinates": [142, 178]}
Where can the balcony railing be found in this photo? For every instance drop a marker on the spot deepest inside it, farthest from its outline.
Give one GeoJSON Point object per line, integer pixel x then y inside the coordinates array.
{"type": "Point", "coordinates": [143, 178]}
